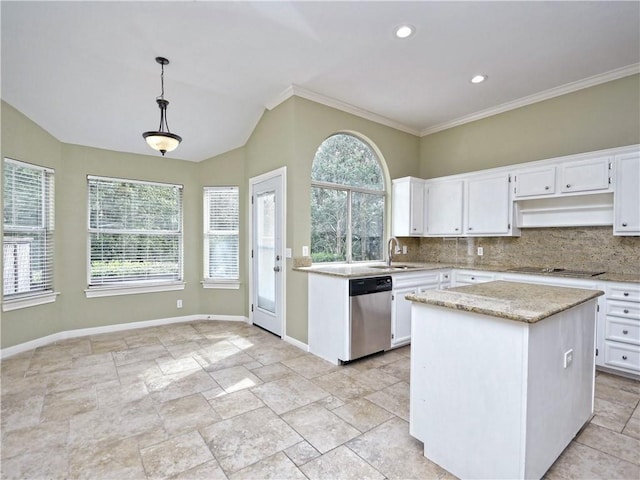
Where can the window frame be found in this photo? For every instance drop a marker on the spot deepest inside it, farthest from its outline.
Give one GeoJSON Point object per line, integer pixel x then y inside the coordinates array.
{"type": "Point", "coordinates": [47, 294]}
{"type": "Point", "coordinates": [219, 282]}
{"type": "Point", "coordinates": [353, 189]}
{"type": "Point", "coordinates": [131, 287]}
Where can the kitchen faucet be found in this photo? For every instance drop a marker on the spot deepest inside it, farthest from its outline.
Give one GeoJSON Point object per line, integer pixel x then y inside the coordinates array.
{"type": "Point", "coordinates": [390, 249]}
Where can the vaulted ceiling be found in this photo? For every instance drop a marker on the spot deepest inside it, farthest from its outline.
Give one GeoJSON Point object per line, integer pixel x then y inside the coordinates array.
{"type": "Point", "coordinates": [85, 71]}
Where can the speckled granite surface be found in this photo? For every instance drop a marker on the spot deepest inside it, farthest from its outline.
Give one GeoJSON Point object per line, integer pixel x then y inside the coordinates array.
{"type": "Point", "coordinates": [355, 270]}
{"type": "Point", "coordinates": [522, 302]}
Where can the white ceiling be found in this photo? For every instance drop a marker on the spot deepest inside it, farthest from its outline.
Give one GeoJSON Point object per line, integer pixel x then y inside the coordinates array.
{"type": "Point", "coordinates": [85, 71]}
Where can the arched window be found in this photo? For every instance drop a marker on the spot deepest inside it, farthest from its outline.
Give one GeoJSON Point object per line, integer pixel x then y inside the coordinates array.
{"type": "Point", "coordinates": [347, 201]}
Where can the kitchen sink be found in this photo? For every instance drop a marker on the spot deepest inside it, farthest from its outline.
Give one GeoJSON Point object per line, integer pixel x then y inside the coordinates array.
{"type": "Point", "coordinates": [395, 267]}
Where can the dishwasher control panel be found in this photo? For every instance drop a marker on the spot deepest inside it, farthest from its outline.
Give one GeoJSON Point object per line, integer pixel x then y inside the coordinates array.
{"type": "Point", "coordinates": [364, 286]}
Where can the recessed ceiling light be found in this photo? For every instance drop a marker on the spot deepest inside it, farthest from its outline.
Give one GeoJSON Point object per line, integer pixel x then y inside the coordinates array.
{"type": "Point", "coordinates": [479, 79]}
{"type": "Point", "coordinates": [404, 31]}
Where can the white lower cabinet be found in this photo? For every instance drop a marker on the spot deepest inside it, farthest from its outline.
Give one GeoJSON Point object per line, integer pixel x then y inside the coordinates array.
{"type": "Point", "coordinates": [409, 284]}
{"type": "Point", "coordinates": [622, 327]}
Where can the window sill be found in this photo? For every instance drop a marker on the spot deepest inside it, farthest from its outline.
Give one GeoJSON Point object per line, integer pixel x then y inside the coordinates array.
{"type": "Point", "coordinates": [29, 301]}
{"type": "Point", "coordinates": [232, 285]}
{"type": "Point", "coordinates": [110, 291]}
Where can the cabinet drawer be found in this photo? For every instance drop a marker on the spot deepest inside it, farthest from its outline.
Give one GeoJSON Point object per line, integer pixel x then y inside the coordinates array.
{"type": "Point", "coordinates": [470, 278]}
{"type": "Point", "coordinates": [619, 330]}
{"type": "Point", "coordinates": [629, 310]}
{"type": "Point", "coordinates": [628, 293]}
{"type": "Point", "coordinates": [623, 356]}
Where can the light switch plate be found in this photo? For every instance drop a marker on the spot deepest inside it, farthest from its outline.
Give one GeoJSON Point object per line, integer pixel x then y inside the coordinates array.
{"type": "Point", "coordinates": [305, 251]}
{"type": "Point", "coordinates": [287, 252]}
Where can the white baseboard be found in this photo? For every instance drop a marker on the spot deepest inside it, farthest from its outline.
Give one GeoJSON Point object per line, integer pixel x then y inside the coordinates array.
{"type": "Point", "coordinates": [82, 332]}
{"type": "Point", "coordinates": [296, 343]}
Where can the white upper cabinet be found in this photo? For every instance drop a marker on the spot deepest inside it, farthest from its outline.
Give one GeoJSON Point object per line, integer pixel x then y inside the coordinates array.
{"type": "Point", "coordinates": [533, 182]}
{"type": "Point", "coordinates": [585, 175]}
{"type": "Point", "coordinates": [444, 208]}
{"type": "Point", "coordinates": [488, 210]}
{"type": "Point", "coordinates": [408, 207]}
{"type": "Point", "coordinates": [626, 212]}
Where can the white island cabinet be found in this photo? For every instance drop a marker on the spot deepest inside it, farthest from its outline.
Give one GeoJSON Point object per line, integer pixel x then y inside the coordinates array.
{"type": "Point", "coordinates": [502, 375]}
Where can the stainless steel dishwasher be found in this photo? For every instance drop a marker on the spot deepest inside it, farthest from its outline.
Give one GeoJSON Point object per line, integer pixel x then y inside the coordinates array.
{"type": "Point", "coordinates": [370, 316]}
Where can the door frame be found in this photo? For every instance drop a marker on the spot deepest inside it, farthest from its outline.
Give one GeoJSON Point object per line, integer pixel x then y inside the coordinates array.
{"type": "Point", "coordinates": [280, 173]}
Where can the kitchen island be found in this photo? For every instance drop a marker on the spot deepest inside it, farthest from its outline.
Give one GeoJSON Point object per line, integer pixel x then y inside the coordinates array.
{"type": "Point", "coordinates": [502, 375]}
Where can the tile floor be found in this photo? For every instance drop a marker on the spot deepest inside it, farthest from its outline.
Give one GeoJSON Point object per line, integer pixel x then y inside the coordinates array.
{"type": "Point", "coordinates": [228, 400]}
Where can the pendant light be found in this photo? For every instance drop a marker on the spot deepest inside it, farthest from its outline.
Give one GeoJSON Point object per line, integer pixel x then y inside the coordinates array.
{"type": "Point", "coordinates": [163, 140]}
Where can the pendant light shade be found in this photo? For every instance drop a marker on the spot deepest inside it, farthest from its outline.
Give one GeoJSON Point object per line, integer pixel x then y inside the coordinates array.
{"type": "Point", "coordinates": [162, 140]}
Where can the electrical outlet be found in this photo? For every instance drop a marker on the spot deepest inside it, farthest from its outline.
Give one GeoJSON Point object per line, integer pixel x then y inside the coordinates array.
{"type": "Point", "coordinates": [179, 304]}
{"type": "Point", "coordinates": [305, 251]}
{"type": "Point", "coordinates": [404, 249]}
{"type": "Point", "coordinates": [568, 357]}
{"type": "Point", "coordinates": [480, 251]}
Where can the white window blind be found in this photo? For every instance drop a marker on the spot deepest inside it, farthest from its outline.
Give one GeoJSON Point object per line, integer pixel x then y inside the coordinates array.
{"type": "Point", "coordinates": [135, 232]}
{"type": "Point", "coordinates": [28, 229]}
{"type": "Point", "coordinates": [221, 233]}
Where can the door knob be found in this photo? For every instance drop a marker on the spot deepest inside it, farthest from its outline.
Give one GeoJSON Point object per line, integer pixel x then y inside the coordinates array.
{"type": "Point", "coordinates": [276, 268]}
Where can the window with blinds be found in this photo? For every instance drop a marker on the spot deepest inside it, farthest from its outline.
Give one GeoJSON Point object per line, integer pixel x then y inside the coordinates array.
{"type": "Point", "coordinates": [135, 232]}
{"type": "Point", "coordinates": [28, 229]}
{"type": "Point", "coordinates": [221, 234]}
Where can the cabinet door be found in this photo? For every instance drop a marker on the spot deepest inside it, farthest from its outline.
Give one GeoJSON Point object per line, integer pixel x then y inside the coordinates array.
{"type": "Point", "coordinates": [487, 205]}
{"type": "Point", "coordinates": [408, 207]}
{"type": "Point", "coordinates": [535, 182]}
{"type": "Point", "coordinates": [401, 316]}
{"type": "Point", "coordinates": [626, 198]}
{"type": "Point", "coordinates": [585, 175]}
{"type": "Point", "coordinates": [444, 208]}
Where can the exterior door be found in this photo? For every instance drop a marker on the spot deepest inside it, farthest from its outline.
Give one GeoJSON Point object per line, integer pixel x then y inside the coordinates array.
{"type": "Point", "coordinates": [267, 250]}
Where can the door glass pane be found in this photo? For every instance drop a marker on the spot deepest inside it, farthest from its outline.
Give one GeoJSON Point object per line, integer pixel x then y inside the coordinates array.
{"type": "Point", "coordinates": [265, 243]}
{"type": "Point", "coordinates": [367, 220]}
{"type": "Point", "coordinates": [328, 225]}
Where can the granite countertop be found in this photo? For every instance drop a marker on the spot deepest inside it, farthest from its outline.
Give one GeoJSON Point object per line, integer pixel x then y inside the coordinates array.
{"type": "Point", "coordinates": [522, 302]}
{"type": "Point", "coordinates": [355, 270]}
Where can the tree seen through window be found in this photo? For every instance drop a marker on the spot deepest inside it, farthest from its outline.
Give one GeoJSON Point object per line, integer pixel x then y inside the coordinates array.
{"type": "Point", "coordinates": [347, 202]}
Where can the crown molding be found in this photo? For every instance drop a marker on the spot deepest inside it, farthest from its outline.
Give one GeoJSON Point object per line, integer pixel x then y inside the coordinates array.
{"type": "Point", "coordinates": [295, 90]}
{"type": "Point", "coordinates": [538, 97]}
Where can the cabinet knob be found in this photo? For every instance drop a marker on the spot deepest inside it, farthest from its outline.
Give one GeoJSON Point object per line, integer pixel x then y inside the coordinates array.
{"type": "Point", "coordinates": [626, 294]}
{"type": "Point", "coordinates": [624, 224]}
{"type": "Point", "coordinates": [546, 187]}
{"type": "Point", "coordinates": [624, 332]}
{"type": "Point", "coordinates": [626, 311]}
{"type": "Point", "coordinates": [624, 357]}
{"type": "Point", "coordinates": [469, 228]}
{"type": "Point", "coordinates": [568, 185]}
{"type": "Point", "coordinates": [473, 278]}
{"type": "Point", "coordinates": [457, 229]}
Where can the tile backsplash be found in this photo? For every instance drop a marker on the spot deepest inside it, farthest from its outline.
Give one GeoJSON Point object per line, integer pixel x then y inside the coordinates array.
{"type": "Point", "coordinates": [576, 248]}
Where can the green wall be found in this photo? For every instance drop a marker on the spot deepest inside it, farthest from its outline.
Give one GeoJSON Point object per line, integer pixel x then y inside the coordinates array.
{"type": "Point", "coordinates": [599, 117]}
{"type": "Point", "coordinates": [227, 169]}
{"type": "Point", "coordinates": [24, 140]}
{"type": "Point", "coordinates": [288, 136]}
{"type": "Point", "coordinates": [595, 118]}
